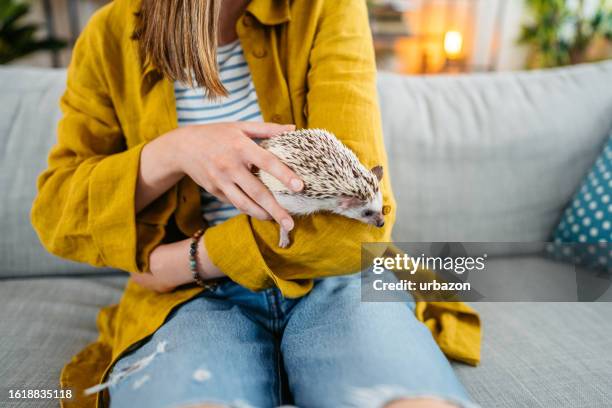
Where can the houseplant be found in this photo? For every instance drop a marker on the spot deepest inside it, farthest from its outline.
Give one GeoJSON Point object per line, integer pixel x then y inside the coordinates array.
{"type": "Point", "coordinates": [566, 31]}
{"type": "Point", "coordinates": [19, 38]}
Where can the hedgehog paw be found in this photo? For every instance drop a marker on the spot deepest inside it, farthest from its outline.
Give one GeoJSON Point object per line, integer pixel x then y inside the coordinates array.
{"type": "Point", "coordinates": [284, 240]}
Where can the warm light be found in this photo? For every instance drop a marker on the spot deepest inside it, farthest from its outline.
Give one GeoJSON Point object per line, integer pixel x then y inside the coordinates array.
{"type": "Point", "coordinates": [453, 43]}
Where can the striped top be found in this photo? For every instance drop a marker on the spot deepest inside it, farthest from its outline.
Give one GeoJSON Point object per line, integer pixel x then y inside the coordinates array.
{"type": "Point", "coordinates": [241, 104]}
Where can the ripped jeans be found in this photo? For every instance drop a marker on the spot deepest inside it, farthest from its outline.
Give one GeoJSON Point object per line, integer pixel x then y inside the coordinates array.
{"type": "Point", "coordinates": [236, 348]}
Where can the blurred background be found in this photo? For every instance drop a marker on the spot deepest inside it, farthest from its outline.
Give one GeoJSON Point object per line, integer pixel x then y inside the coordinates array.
{"type": "Point", "coordinates": [410, 36]}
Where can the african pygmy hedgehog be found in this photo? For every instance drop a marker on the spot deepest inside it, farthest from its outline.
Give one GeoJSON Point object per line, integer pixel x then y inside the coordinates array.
{"type": "Point", "coordinates": [334, 178]}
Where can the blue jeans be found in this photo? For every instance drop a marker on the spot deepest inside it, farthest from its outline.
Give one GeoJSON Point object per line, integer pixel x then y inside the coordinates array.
{"type": "Point", "coordinates": [238, 348]}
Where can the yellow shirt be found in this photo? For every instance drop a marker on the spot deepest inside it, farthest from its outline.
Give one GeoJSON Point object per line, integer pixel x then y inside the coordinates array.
{"type": "Point", "coordinates": [312, 64]}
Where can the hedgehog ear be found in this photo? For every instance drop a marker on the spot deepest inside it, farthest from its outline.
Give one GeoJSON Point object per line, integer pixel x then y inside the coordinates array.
{"type": "Point", "coordinates": [346, 202]}
{"type": "Point", "coordinates": [378, 172]}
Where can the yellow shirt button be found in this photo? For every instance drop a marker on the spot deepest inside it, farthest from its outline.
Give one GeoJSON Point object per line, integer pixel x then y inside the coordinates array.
{"type": "Point", "coordinates": [260, 52]}
{"type": "Point", "coordinates": [386, 209]}
{"type": "Point", "coordinates": [276, 118]}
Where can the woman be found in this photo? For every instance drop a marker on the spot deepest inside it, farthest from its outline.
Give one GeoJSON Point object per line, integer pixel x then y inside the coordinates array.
{"type": "Point", "coordinates": [164, 102]}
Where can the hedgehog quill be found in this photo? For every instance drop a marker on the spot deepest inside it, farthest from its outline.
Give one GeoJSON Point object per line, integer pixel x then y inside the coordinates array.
{"type": "Point", "coordinates": [334, 178]}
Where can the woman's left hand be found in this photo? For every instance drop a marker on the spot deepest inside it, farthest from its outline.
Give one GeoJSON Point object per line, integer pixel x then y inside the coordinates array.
{"type": "Point", "coordinates": [169, 265]}
{"type": "Point", "coordinates": [149, 281]}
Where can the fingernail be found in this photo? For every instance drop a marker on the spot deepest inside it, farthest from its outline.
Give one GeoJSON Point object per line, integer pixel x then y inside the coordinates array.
{"type": "Point", "coordinates": [297, 185]}
{"type": "Point", "coordinates": [287, 224]}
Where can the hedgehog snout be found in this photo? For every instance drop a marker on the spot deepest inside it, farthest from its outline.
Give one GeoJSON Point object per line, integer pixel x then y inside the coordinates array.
{"type": "Point", "coordinates": [379, 220]}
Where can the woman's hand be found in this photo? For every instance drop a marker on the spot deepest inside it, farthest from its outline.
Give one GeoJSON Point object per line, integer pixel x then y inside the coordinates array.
{"type": "Point", "coordinates": [220, 157]}
{"type": "Point", "coordinates": [151, 282]}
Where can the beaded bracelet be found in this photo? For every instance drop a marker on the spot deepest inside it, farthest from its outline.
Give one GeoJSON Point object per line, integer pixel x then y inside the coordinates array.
{"type": "Point", "coordinates": [193, 263]}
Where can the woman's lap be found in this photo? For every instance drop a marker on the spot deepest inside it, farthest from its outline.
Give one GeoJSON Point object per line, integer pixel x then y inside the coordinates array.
{"type": "Point", "coordinates": [213, 353]}
{"type": "Point", "coordinates": [364, 354]}
{"type": "Point", "coordinates": [337, 351]}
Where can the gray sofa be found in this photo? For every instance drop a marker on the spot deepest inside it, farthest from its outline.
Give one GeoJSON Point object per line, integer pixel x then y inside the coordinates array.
{"type": "Point", "coordinates": [488, 157]}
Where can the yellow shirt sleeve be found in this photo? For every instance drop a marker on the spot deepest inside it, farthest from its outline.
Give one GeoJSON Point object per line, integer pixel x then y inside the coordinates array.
{"type": "Point", "coordinates": [84, 209]}
{"type": "Point", "coordinates": [341, 98]}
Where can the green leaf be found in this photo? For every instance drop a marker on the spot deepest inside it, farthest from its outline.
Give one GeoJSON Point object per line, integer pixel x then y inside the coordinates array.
{"type": "Point", "coordinates": [543, 36]}
{"type": "Point", "coordinates": [528, 34]}
{"type": "Point", "coordinates": [12, 13]}
{"type": "Point", "coordinates": [20, 35]}
{"type": "Point", "coordinates": [18, 39]}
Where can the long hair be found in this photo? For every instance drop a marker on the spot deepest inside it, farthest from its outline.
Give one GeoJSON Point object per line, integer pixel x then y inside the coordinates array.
{"type": "Point", "coordinates": [179, 37]}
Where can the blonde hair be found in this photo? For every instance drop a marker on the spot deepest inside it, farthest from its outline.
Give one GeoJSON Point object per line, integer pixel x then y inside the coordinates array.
{"type": "Point", "coordinates": [179, 37]}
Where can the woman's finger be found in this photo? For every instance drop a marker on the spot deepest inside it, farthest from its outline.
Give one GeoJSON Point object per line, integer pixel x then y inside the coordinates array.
{"type": "Point", "coordinates": [211, 189]}
{"type": "Point", "coordinates": [221, 197]}
{"type": "Point", "coordinates": [242, 202]}
{"type": "Point", "coordinates": [258, 192]}
{"type": "Point", "coordinates": [217, 193]}
{"type": "Point", "coordinates": [260, 130]}
{"type": "Point", "coordinates": [272, 165]}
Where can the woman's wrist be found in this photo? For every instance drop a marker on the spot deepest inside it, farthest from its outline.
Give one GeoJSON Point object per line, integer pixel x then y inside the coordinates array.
{"type": "Point", "coordinates": [173, 152]}
{"type": "Point", "coordinates": [169, 264]}
{"type": "Point", "coordinates": [159, 169]}
{"type": "Point", "coordinates": [164, 267]}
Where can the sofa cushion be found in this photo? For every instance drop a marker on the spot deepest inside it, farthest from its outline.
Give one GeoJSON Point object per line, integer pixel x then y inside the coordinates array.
{"type": "Point", "coordinates": [587, 220]}
{"type": "Point", "coordinates": [29, 111]}
{"type": "Point", "coordinates": [543, 355]}
{"type": "Point", "coordinates": [495, 156]}
{"type": "Point", "coordinates": [44, 323]}
{"type": "Point", "coordinates": [536, 278]}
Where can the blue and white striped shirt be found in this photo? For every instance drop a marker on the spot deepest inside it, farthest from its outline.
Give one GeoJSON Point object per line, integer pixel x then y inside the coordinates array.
{"type": "Point", "coordinates": [241, 104]}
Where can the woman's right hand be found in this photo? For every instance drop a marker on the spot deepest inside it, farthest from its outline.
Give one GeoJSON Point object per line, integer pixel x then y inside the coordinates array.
{"type": "Point", "coordinates": [219, 157]}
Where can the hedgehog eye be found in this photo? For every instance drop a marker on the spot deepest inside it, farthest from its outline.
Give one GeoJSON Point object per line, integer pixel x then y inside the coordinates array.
{"type": "Point", "coordinates": [368, 213]}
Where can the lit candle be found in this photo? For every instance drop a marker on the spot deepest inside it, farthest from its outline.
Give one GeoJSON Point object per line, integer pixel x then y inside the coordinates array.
{"type": "Point", "coordinates": [453, 44]}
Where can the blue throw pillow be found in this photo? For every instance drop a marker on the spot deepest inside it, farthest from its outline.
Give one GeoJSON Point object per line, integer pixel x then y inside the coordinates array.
{"type": "Point", "coordinates": [584, 235]}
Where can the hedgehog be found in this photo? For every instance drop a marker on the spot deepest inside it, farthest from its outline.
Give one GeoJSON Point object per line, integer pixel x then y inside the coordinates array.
{"type": "Point", "coordinates": [334, 178]}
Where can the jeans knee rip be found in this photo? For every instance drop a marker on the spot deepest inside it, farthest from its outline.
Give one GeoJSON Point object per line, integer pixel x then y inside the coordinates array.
{"type": "Point", "coordinates": [131, 369]}
{"type": "Point", "coordinates": [139, 382]}
{"type": "Point", "coordinates": [201, 375]}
